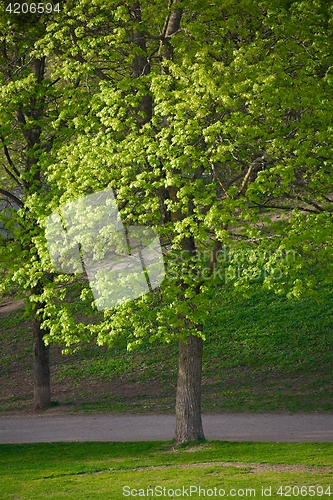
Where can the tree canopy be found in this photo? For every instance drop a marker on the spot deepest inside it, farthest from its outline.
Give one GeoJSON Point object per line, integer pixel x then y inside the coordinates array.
{"type": "Point", "coordinates": [211, 123]}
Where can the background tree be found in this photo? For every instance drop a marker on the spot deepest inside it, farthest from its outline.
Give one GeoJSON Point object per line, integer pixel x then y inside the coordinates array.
{"type": "Point", "coordinates": [30, 126]}
{"type": "Point", "coordinates": [24, 96]}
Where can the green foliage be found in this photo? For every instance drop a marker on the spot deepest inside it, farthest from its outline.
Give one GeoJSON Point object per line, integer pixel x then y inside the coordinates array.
{"type": "Point", "coordinates": [238, 128]}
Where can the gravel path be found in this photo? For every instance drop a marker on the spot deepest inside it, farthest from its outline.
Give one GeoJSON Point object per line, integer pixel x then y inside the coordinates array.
{"type": "Point", "coordinates": [109, 427]}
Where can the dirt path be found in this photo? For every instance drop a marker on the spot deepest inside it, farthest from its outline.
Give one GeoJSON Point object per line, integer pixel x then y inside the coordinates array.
{"type": "Point", "coordinates": [110, 427]}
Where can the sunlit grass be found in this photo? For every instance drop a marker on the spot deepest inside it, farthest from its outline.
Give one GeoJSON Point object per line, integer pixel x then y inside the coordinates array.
{"type": "Point", "coordinates": [112, 470]}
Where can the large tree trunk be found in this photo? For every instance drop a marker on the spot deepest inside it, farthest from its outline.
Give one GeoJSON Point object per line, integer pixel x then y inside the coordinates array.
{"type": "Point", "coordinates": [188, 398]}
{"type": "Point", "coordinates": [41, 368]}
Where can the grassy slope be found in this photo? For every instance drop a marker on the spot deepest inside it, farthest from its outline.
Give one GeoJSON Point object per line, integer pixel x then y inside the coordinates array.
{"type": "Point", "coordinates": [101, 470]}
{"type": "Point", "coordinates": [261, 354]}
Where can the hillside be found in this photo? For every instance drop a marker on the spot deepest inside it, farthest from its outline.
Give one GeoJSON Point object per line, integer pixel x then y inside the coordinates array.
{"type": "Point", "coordinates": [265, 353]}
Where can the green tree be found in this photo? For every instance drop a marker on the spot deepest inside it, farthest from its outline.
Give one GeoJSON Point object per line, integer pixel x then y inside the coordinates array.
{"type": "Point", "coordinates": [24, 93]}
{"type": "Point", "coordinates": [205, 120]}
{"type": "Point", "coordinates": [30, 126]}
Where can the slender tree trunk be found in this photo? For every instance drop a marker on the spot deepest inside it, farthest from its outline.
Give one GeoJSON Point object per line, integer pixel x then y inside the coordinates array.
{"type": "Point", "coordinates": [141, 65]}
{"type": "Point", "coordinates": [188, 398]}
{"type": "Point", "coordinates": [41, 368]}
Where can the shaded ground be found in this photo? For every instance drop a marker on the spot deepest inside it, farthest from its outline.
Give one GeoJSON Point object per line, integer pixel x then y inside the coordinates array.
{"type": "Point", "coordinates": [101, 380]}
{"type": "Point", "coordinates": [69, 393]}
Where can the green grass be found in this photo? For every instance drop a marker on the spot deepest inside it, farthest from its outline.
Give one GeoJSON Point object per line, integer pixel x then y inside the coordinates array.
{"type": "Point", "coordinates": [270, 353]}
{"type": "Point", "coordinates": [265, 353]}
{"type": "Point", "coordinates": [101, 470]}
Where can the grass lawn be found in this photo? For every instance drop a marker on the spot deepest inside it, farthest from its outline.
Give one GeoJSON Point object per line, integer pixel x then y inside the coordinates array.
{"type": "Point", "coordinates": [114, 471]}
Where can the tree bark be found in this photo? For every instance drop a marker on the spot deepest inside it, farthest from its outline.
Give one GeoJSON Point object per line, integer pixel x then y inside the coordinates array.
{"type": "Point", "coordinates": [188, 397]}
{"type": "Point", "coordinates": [141, 66]}
{"type": "Point", "coordinates": [171, 26]}
{"type": "Point", "coordinates": [41, 368]}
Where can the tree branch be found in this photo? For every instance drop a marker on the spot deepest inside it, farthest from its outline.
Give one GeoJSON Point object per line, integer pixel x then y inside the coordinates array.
{"type": "Point", "coordinates": [7, 155]}
{"type": "Point", "coordinates": [245, 180]}
{"type": "Point", "coordinates": [98, 72]}
{"type": "Point", "coordinates": [11, 175]}
{"type": "Point", "coordinates": [12, 197]}
{"type": "Point", "coordinates": [280, 207]}
{"type": "Point", "coordinates": [170, 28]}
{"type": "Point", "coordinates": [219, 180]}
